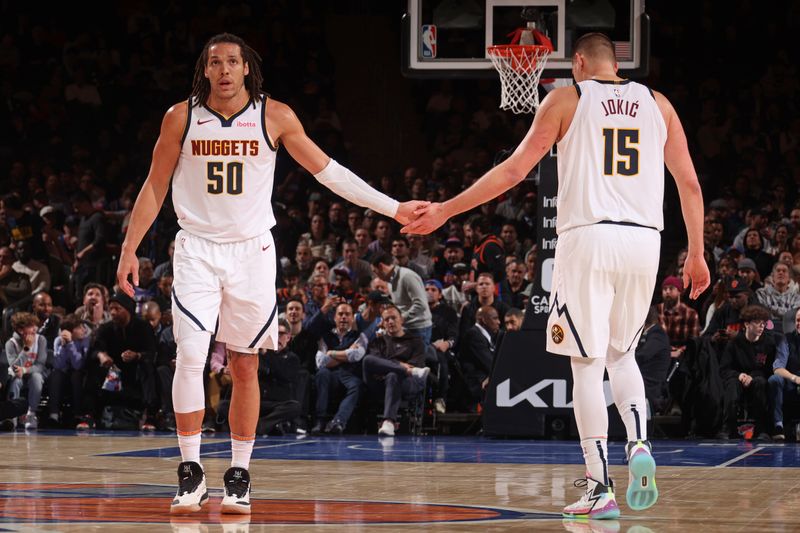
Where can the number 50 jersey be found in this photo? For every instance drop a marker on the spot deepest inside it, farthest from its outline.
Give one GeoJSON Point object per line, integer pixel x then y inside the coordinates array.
{"type": "Point", "coordinates": [611, 160]}
{"type": "Point", "coordinates": [222, 185]}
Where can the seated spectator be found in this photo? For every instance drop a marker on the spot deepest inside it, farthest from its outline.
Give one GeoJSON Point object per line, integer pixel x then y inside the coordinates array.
{"type": "Point", "coordinates": [220, 386]}
{"type": "Point", "coordinates": [282, 383]}
{"type": "Point", "coordinates": [749, 273]}
{"type": "Point", "coordinates": [343, 286]}
{"type": "Point", "coordinates": [302, 342]}
{"type": "Point", "coordinates": [477, 350]}
{"type": "Point", "coordinates": [70, 349]}
{"type": "Point", "coordinates": [165, 268]}
{"type": "Point", "coordinates": [488, 254]}
{"type": "Point", "coordinates": [450, 256]}
{"type": "Point", "coordinates": [14, 286]}
{"type": "Point", "coordinates": [445, 330]}
{"type": "Point", "coordinates": [363, 239]}
{"type": "Point", "coordinates": [318, 295]}
{"type": "Point", "coordinates": [119, 370]}
{"type": "Point", "coordinates": [510, 238]}
{"type": "Point", "coordinates": [455, 294]}
{"type": "Point", "coordinates": [148, 285]}
{"type": "Point", "coordinates": [653, 358]}
{"type": "Point", "coordinates": [338, 359]}
{"type": "Point", "coordinates": [163, 296]}
{"type": "Point", "coordinates": [677, 319]}
{"type": "Point", "coordinates": [725, 322]}
{"type": "Point", "coordinates": [92, 238]}
{"type": "Point", "coordinates": [303, 257]}
{"type": "Point", "coordinates": [382, 242]}
{"type": "Point", "coordinates": [745, 366]}
{"type": "Point", "coordinates": [166, 358]}
{"type": "Point", "coordinates": [785, 378]}
{"type": "Point", "coordinates": [321, 241]}
{"type": "Point", "coordinates": [351, 262]}
{"type": "Point", "coordinates": [42, 307]}
{"type": "Point", "coordinates": [391, 360]}
{"type": "Point", "coordinates": [514, 289]}
{"type": "Point", "coordinates": [26, 352]}
{"type": "Point", "coordinates": [779, 297]}
{"type": "Point", "coordinates": [400, 252]}
{"type": "Point", "coordinates": [38, 272]}
{"type": "Point", "coordinates": [321, 268]}
{"type": "Point", "coordinates": [408, 294]}
{"type": "Point", "coordinates": [484, 295]}
{"type": "Point", "coordinates": [755, 249]}
{"type": "Point", "coordinates": [151, 313]}
{"type": "Point", "coordinates": [93, 311]}
{"type": "Point", "coordinates": [420, 252]}
{"type": "Point", "coordinates": [513, 319]}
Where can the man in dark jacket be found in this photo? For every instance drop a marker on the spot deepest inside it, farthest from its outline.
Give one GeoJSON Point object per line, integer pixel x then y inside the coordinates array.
{"type": "Point", "coordinates": [394, 365]}
{"type": "Point", "coordinates": [342, 347]}
{"type": "Point", "coordinates": [746, 365]}
{"type": "Point", "coordinates": [786, 378]}
{"type": "Point", "coordinates": [443, 338]}
{"type": "Point", "coordinates": [477, 350]}
{"type": "Point", "coordinates": [653, 358]}
{"type": "Point", "coordinates": [120, 369]}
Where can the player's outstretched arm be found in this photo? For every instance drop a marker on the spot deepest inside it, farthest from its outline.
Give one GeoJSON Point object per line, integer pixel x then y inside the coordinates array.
{"type": "Point", "coordinates": [151, 197]}
{"type": "Point", "coordinates": [679, 163]}
{"type": "Point", "coordinates": [328, 172]}
{"type": "Point", "coordinates": [543, 133]}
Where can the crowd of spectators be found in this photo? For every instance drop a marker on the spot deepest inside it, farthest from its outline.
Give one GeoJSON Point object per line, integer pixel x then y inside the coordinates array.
{"type": "Point", "coordinates": [368, 316]}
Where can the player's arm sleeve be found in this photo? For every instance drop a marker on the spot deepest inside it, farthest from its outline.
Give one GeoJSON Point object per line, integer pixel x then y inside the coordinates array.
{"type": "Point", "coordinates": [352, 188]}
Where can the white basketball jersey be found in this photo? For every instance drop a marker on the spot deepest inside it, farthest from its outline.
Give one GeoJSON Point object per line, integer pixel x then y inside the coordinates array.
{"type": "Point", "coordinates": [611, 160]}
{"type": "Point", "coordinates": [222, 185]}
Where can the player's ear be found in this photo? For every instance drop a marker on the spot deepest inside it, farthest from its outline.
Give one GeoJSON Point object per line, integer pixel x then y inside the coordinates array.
{"type": "Point", "coordinates": [246, 68]}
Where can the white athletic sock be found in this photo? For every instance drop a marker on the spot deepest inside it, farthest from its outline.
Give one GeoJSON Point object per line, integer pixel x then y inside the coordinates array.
{"type": "Point", "coordinates": [627, 388]}
{"type": "Point", "coordinates": [595, 454]}
{"type": "Point", "coordinates": [591, 415]}
{"type": "Point", "coordinates": [241, 450]}
{"type": "Point", "coordinates": [190, 447]}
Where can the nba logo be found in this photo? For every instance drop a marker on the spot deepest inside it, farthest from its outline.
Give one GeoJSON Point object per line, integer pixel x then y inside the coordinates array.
{"type": "Point", "coordinates": [428, 41]}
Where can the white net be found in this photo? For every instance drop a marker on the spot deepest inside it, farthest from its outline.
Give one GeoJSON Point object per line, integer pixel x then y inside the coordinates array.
{"type": "Point", "coordinates": [520, 67]}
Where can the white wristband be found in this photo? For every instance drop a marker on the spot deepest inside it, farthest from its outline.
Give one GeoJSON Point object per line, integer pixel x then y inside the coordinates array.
{"type": "Point", "coordinates": [352, 188]}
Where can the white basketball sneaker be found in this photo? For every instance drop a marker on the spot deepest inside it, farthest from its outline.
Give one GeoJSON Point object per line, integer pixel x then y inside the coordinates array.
{"type": "Point", "coordinates": [192, 492]}
{"type": "Point", "coordinates": [237, 491]}
{"type": "Point", "coordinates": [642, 491]}
{"type": "Point", "coordinates": [597, 503]}
{"type": "Point", "coordinates": [386, 429]}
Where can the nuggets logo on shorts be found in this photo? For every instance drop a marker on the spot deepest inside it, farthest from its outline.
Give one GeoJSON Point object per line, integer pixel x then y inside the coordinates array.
{"type": "Point", "coordinates": [557, 334]}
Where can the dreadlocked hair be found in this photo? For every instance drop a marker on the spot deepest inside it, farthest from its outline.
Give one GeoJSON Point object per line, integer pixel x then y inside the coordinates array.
{"type": "Point", "coordinates": [201, 87]}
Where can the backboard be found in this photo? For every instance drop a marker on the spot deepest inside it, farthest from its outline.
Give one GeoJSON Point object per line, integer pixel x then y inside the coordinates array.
{"type": "Point", "coordinates": [448, 38]}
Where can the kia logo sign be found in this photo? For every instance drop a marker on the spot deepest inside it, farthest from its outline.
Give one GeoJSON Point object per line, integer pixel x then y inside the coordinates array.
{"type": "Point", "coordinates": [531, 394]}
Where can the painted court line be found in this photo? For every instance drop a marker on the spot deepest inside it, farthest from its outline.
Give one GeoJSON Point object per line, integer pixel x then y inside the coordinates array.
{"type": "Point", "coordinates": [739, 457]}
{"type": "Point", "coordinates": [283, 445]}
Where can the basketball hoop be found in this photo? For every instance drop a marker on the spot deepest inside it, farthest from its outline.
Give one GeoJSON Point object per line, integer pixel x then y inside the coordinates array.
{"type": "Point", "coordinates": [520, 67]}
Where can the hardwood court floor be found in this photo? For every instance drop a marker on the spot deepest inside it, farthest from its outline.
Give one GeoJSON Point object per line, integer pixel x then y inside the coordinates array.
{"type": "Point", "coordinates": [63, 481]}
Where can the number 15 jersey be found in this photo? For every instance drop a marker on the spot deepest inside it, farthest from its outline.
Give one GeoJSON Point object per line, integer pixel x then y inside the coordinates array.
{"type": "Point", "coordinates": [611, 160]}
{"type": "Point", "coordinates": [222, 184]}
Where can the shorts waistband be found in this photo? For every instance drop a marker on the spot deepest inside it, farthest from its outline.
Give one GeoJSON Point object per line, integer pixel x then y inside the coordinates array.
{"type": "Point", "coordinates": [630, 224]}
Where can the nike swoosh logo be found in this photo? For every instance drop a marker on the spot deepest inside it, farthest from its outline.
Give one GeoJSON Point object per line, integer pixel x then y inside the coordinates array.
{"type": "Point", "coordinates": [264, 248]}
{"type": "Point", "coordinates": [201, 122]}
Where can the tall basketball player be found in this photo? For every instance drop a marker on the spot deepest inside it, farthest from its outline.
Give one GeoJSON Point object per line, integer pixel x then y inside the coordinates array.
{"type": "Point", "coordinates": [219, 149]}
{"type": "Point", "coordinates": [614, 137]}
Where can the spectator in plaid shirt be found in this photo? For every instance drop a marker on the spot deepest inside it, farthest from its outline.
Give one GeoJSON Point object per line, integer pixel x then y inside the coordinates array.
{"type": "Point", "coordinates": [678, 319]}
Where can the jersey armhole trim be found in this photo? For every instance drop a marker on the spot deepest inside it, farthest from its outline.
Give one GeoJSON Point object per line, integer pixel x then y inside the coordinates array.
{"type": "Point", "coordinates": [651, 92]}
{"type": "Point", "coordinates": [272, 146]}
{"type": "Point", "coordinates": [578, 90]}
{"type": "Point", "coordinates": [188, 120]}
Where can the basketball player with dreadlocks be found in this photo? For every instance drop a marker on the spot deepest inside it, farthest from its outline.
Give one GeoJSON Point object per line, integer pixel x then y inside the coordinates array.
{"type": "Point", "coordinates": [218, 149]}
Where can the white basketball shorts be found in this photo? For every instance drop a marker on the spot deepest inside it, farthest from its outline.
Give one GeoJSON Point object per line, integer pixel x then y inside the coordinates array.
{"type": "Point", "coordinates": [603, 280]}
{"type": "Point", "coordinates": [227, 288]}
